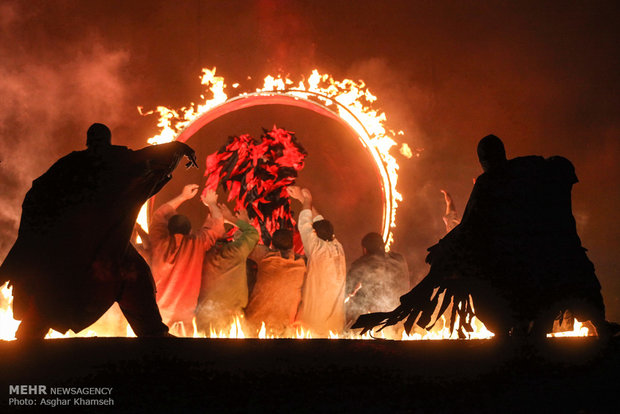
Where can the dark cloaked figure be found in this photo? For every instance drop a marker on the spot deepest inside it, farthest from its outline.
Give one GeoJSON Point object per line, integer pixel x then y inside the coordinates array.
{"type": "Point", "coordinates": [72, 259]}
{"type": "Point", "coordinates": [516, 253]}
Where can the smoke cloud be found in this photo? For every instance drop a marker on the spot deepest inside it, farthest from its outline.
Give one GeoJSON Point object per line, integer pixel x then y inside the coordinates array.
{"type": "Point", "coordinates": [541, 77]}
{"type": "Point", "coordinates": [48, 102]}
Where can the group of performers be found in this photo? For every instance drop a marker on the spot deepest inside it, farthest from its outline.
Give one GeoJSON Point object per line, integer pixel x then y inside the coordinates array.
{"type": "Point", "coordinates": [515, 260]}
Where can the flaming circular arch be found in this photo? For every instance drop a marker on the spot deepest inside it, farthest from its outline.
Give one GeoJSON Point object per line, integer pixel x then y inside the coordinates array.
{"type": "Point", "coordinates": [292, 98]}
{"type": "Point", "coordinates": [346, 102]}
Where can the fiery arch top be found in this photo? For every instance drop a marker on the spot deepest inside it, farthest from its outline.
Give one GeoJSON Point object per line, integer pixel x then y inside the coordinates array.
{"type": "Point", "coordinates": [347, 102]}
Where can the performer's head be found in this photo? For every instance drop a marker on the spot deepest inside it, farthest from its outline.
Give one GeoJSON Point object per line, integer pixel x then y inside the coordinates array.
{"type": "Point", "coordinates": [373, 243]}
{"type": "Point", "coordinates": [98, 135]}
{"type": "Point", "coordinates": [491, 152]}
{"type": "Point", "coordinates": [179, 224]}
{"type": "Point", "coordinates": [324, 230]}
{"type": "Point", "coordinates": [282, 239]}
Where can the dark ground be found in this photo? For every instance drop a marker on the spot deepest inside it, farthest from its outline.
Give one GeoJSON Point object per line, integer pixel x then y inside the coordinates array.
{"type": "Point", "coordinates": [570, 375]}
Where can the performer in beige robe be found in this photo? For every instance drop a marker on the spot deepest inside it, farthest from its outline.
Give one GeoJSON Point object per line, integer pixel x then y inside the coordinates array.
{"type": "Point", "coordinates": [276, 295]}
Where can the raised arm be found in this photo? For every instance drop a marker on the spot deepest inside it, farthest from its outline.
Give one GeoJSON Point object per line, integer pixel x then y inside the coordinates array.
{"type": "Point", "coordinates": [189, 192]}
{"type": "Point", "coordinates": [158, 227]}
{"type": "Point", "coordinates": [165, 157]}
{"type": "Point", "coordinates": [209, 199]}
{"type": "Point", "coordinates": [308, 237]}
{"type": "Point", "coordinates": [213, 226]}
{"type": "Point", "coordinates": [249, 235]}
{"type": "Point", "coordinates": [303, 195]}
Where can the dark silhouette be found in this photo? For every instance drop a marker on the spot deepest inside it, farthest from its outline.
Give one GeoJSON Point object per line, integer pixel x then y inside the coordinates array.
{"type": "Point", "coordinates": [375, 280]}
{"type": "Point", "coordinates": [516, 253]}
{"type": "Point", "coordinates": [72, 259]}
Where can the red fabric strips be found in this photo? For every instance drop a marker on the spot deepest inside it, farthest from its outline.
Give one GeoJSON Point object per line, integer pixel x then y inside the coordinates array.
{"type": "Point", "coordinates": [256, 174]}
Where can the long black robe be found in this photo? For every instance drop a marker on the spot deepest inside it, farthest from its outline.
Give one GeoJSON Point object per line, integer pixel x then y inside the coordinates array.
{"type": "Point", "coordinates": [516, 255]}
{"type": "Point", "coordinates": [72, 258]}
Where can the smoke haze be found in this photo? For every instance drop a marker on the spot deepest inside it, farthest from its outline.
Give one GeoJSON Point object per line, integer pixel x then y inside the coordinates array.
{"type": "Point", "coordinates": [543, 76]}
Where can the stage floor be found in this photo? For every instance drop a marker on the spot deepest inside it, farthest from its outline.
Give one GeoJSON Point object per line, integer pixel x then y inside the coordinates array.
{"type": "Point", "coordinates": [565, 375]}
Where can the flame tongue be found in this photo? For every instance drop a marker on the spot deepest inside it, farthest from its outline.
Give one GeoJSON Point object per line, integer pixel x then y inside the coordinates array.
{"type": "Point", "coordinates": [8, 327]}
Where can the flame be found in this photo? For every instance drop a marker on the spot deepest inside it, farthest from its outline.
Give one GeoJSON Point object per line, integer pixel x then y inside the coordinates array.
{"type": "Point", "coordinates": [142, 220]}
{"type": "Point", "coordinates": [405, 150]}
{"type": "Point", "coordinates": [8, 325]}
{"type": "Point", "coordinates": [443, 332]}
{"type": "Point", "coordinates": [238, 330]}
{"type": "Point", "coordinates": [351, 101]}
{"type": "Point", "coordinates": [578, 330]}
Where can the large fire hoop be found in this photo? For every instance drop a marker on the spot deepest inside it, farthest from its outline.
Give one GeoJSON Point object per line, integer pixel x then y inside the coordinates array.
{"type": "Point", "coordinates": [293, 98]}
{"type": "Point", "coordinates": [340, 101]}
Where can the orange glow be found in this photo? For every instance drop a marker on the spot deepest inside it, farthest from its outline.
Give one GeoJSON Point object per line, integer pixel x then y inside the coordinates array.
{"type": "Point", "coordinates": [578, 330]}
{"type": "Point", "coordinates": [238, 330]}
{"type": "Point", "coordinates": [347, 101]}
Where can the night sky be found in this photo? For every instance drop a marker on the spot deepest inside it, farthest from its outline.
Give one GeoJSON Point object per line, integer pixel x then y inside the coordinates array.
{"type": "Point", "coordinates": [543, 76]}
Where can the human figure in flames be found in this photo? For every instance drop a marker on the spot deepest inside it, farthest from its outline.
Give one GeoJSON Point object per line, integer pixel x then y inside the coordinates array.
{"type": "Point", "coordinates": [516, 253]}
{"type": "Point", "coordinates": [72, 259]}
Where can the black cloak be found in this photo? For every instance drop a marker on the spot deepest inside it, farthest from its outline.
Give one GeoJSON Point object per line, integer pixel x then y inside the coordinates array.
{"type": "Point", "coordinates": [72, 255]}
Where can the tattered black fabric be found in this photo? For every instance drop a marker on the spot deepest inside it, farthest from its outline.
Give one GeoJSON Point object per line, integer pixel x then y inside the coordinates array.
{"type": "Point", "coordinates": [72, 256]}
{"type": "Point", "coordinates": [515, 258]}
{"type": "Point", "coordinates": [256, 175]}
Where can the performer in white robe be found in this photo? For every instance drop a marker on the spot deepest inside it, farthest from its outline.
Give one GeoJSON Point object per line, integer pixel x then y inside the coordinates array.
{"type": "Point", "coordinates": [322, 305]}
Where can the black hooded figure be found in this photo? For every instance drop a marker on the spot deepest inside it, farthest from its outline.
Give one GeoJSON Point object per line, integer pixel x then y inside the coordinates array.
{"type": "Point", "coordinates": [72, 259]}
{"type": "Point", "coordinates": [516, 253]}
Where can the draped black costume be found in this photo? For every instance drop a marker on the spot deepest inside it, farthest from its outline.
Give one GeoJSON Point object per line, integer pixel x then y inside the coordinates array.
{"type": "Point", "coordinates": [516, 253]}
{"type": "Point", "coordinates": [72, 259]}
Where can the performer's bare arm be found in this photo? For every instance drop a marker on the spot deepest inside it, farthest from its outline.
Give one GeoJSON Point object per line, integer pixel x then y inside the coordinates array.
{"type": "Point", "coordinates": [308, 236]}
{"type": "Point", "coordinates": [449, 203]}
{"type": "Point", "coordinates": [243, 215]}
{"type": "Point", "coordinates": [307, 202]}
{"type": "Point", "coordinates": [209, 199]}
{"type": "Point", "coordinates": [213, 226]}
{"type": "Point", "coordinates": [303, 195]}
{"type": "Point", "coordinates": [189, 192]}
{"type": "Point", "coordinates": [228, 216]}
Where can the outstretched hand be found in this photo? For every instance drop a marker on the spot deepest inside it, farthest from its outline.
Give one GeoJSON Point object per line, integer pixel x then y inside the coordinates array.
{"type": "Point", "coordinates": [190, 154]}
{"type": "Point", "coordinates": [306, 195]}
{"type": "Point", "coordinates": [229, 217]}
{"type": "Point", "coordinates": [209, 197]}
{"type": "Point", "coordinates": [295, 192]}
{"type": "Point", "coordinates": [189, 191]}
{"type": "Point", "coordinates": [243, 215]}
